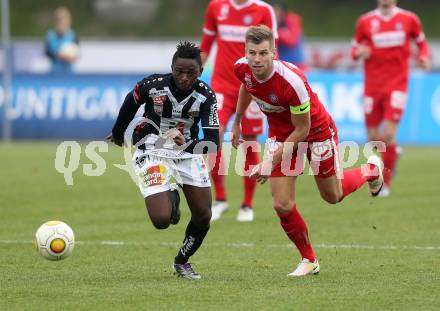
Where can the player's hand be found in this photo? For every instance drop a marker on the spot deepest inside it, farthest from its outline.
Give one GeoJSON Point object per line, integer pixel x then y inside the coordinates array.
{"type": "Point", "coordinates": [363, 51]}
{"type": "Point", "coordinates": [176, 136]}
{"type": "Point", "coordinates": [425, 63]}
{"type": "Point", "coordinates": [261, 172]}
{"type": "Point", "coordinates": [114, 140]}
{"type": "Point", "coordinates": [236, 132]}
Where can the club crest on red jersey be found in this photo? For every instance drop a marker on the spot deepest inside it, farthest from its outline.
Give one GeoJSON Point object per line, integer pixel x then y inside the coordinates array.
{"type": "Point", "coordinates": [273, 98]}
{"type": "Point", "coordinates": [247, 19]}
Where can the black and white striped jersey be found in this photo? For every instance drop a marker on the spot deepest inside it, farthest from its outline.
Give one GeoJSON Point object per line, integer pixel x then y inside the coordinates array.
{"type": "Point", "coordinates": [168, 107]}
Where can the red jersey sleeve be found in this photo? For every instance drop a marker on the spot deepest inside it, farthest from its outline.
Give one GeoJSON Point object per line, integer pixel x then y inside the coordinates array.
{"type": "Point", "coordinates": [419, 36]}
{"type": "Point", "coordinates": [299, 100]}
{"type": "Point", "coordinates": [359, 36]}
{"type": "Point", "coordinates": [240, 69]}
{"type": "Point", "coordinates": [209, 29]}
{"type": "Point", "coordinates": [296, 92]}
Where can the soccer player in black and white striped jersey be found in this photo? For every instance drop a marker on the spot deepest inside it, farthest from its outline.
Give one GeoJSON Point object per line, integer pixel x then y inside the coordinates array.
{"type": "Point", "coordinates": [168, 146]}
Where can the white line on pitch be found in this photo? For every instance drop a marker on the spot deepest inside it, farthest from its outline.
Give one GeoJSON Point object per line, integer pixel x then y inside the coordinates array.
{"type": "Point", "coordinates": [244, 245]}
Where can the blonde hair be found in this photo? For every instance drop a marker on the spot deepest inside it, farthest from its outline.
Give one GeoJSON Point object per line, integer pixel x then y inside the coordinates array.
{"type": "Point", "coordinates": [260, 33]}
{"type": "Point", "coordinates": [62, 12]}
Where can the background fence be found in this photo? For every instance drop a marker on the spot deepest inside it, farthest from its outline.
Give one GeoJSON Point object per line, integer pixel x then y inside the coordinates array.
{"type": "Point", "coordinates": [84, 106]}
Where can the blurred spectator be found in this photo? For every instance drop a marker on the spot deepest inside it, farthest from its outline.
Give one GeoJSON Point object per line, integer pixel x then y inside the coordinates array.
{"type": "Point", "coordinates": [290, 35]}
{"type": "Point", "coordinates": [62, 42]}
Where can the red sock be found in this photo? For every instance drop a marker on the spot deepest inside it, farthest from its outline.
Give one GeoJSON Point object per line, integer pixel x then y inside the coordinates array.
{"type": "Point", "coordinates": [389, 158]}
{"type": "Point", "coordinates": [296, 230]}
{"type": "Point", "coordinates": [354, 179]}
{"type": "Point", "coordinates": [218, 179]}
{"type": "Point", "coordinates": [252, 158]}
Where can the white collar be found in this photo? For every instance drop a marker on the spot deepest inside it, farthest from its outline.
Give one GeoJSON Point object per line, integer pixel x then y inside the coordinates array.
{"type": "Point", "coordinates": [240, 6]}
{"type": "Point", "coordinates": [393, 12]}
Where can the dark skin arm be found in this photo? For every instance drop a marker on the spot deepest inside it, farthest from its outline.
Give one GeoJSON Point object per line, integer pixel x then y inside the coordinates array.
{"type": "Point", "coordinates": [126, 114]}
{"type": "Point", "coordinates": [116, 141]}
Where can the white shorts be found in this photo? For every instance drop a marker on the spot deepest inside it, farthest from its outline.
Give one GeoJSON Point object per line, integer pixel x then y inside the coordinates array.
{"type": "Point", "coordinates": [154, 173]}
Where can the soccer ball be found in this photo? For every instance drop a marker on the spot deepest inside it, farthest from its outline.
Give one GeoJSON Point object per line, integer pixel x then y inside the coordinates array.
{"type": "Point", "coordinates": [54, 240]}
{"type": "Point", "coordinates": [70, 50]}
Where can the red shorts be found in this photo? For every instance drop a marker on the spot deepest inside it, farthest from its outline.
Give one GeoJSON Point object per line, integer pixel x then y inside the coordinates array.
{"type": "Point", "coordinates": [381, 106]}
{"type": "Point", "coordinates": [252, 123]}
{"type": "Point", "coordinates": [322, 155]}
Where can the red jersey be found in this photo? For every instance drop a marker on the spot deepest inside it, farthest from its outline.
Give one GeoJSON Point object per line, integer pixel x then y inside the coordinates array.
{"type": "Point", "coordinates": [227, 23]}
{"type": "Point", "coordinates": [389, 38]}
{"type": "Point", "coordinates": [285, 92]}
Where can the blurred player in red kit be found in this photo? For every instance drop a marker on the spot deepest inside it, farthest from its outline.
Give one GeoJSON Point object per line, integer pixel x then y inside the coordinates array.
{"type": "Point", "coordinates": [226, 22]}
{"type": "Point", "coordinates": [299, 126]}
{"type": "Point", "coordinates": [383, 40]}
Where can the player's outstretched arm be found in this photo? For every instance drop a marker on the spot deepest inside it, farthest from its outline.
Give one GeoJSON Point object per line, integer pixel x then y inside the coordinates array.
{"type": "Point", "coordinates": [244, 99]}
{"type": "Point", "coordinates": [417, 34]}
{"type": "Point", "coordinates": [116, 141]}
{"type": "Point", "coordinates": [302, 123]}
{"type": "Point", "coordinates": [362, 51]}
{"type": "Point", "coordinates": [360, 48]}
{"type": "Point", "coordinates": [424, 52]}
{"type": "Point", "coordinates": [126, 114]}
{"type": "Point", "coordinates": [300, 118]}
{"type": "Point", "coordinates": [210, 127]}
{"type": "Point", "coordinates": [209, 143]}
{"type": "Point", "coordinates": [424, 57]}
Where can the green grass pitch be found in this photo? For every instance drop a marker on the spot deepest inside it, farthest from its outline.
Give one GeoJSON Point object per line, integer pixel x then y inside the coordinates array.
{"type": "Point", "coordinates": [375, 254]}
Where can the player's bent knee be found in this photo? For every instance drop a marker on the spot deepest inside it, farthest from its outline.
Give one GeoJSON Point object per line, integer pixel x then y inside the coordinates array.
{"type": "Point", "coordinates": [283, 206]}
{"type": "Point", "coordinates": [161, 224]}
{"type": "Point", "coordinates": [331, 198]}
{"type": "Point", "coordinates": [201, 215]}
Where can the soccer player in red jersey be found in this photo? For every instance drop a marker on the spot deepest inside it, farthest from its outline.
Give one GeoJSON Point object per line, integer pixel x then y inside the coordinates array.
{"type": "Point", "coordinates": [226, 23]}
{"type": "Point", "coordinates": [296, 119]}
{"type": "Point", "coordinates": [383, 39]}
